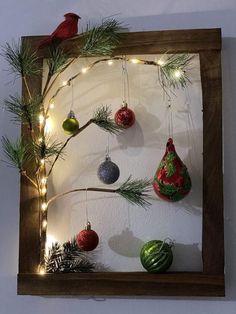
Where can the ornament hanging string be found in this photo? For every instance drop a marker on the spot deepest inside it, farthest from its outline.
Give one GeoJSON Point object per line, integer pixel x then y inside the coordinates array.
{"type": "Point", "coordinates": [170, 118]}
{"type": "Point", "coordinates": [86, 205]}
{"type": "Point", "coordinates": [72, 96]}
{"type": "Point", "coordinates": [190, 127]}
{"type": "Point", "coordinates": [125, 81]}
{"type": "Point", "coordinates": [108, 146]}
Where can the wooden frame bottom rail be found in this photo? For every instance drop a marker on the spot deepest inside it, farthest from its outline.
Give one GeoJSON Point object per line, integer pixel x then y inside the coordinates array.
{"type": "Point", "coordinates": [122, 284]}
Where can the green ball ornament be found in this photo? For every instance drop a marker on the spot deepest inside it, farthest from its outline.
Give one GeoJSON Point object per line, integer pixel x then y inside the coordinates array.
{"type": "Point", "coordinates": [70, 124]}
{"type": "Point", "coordinates": [156, 256]}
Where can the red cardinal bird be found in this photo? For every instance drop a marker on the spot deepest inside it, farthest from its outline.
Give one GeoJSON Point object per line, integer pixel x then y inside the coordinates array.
{"type": "Point", "coordinates": [65, 30]}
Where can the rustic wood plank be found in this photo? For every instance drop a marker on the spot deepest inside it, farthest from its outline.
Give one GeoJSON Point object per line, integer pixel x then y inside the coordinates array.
{"type": "Point", "coordinates": [122, 284]}
{"type": "Point", "coordinates": [29, 239]}
{"type": "Point", "coordinates": [213, 222]}
{"type": "Point", "coordinates": [177, 41]}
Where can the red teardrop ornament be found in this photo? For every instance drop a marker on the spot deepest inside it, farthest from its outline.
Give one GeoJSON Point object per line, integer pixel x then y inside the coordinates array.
{"type": "Point", "coordinates": [172, 181]}
{"type": "Point", "coordinates": [87, 239]}
{"type": "Point", "coordinates": [125, 117]}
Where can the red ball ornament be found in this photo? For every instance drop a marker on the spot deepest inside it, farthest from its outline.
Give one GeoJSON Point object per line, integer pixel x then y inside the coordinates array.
{"type": "Point", "coordinates": [87, 239]}
{"type": "Point", "coordinates": [125, 117]}
{"type": "Point", "coordinates": [172, 181]}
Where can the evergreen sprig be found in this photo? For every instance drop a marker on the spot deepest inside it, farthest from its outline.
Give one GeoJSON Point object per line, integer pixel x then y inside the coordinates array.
{"type": "Point", "coordinates": [23, 111]}
{"type": "Point", "coordinates": [15, 152]}
{"type": "Point", "coordinates": [22, 60]}
{"type": "Point", "coordinates": [102, 118]}
{"type": "Point", "coordinates": [173, 72]}
{"type": "Point", "coordinates": [67, 258]}
{"type": "Point", "coordinates": [101, 40]}
{"type": "Point", "coordinates": [45, 149]}
{"type": "Point", "coordinates": [136, 191]}
{"type": "Point", "coordinates": [57, 60]}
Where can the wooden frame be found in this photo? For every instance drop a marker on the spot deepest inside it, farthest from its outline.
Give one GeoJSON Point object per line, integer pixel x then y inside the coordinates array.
{"type": "Point", "coordinates": [210, 282]}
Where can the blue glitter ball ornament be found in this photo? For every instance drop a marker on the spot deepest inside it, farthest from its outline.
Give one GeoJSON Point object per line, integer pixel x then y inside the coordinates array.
{"type": "Point", "coordinates": [108, 171]}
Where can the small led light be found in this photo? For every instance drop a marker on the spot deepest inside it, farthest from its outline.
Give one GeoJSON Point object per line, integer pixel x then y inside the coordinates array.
{"type": "Point", "coordinates": [44, 223]}
{"type": "Point", "coordinates": [84, 70]}
{"type": "Point", "coordinates": [177, 73]}
{"type": "Point", "coordinates": [51, 105]}
{"type": "Point", "coordinates": [160, 62]}
{"type": "Point", "coordinates": [135, 61]}
{"type": "Point", "coordinates": [42, 271]}
{"type": "Point", "coordinates": [41, 119]}
{"type": "Point", "coordinates": [44, 191]}
{"type": "Point", "coordinates": [42, 161]}
{"type": "Point", "coordinates": [44, 180]}
{"type": "Point", "coordinates": [64, 83]}
{"type": "Point", "coordinates": [110, 62]}
{"type": "Point", "coordinates": [48, 125]}
{"type": "Point", "coordinates": [44, 207]}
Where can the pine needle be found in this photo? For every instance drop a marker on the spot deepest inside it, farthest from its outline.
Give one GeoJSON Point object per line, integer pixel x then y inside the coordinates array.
{"type": "Point", "coordinates": [16, 152]}
{"type": "Point", "coordinates": [46, 149]}
{"type": "Point", "coordinates": [102, 118]}
{"type": "Point", "coordinates": [136, 191]}
{"type": "Point", "coordinates": [24, 112]}
{"type": "Point", "coordinates": [173, 72]}
{"type": "Point", "coordinates": [67, 258]}
{"type": "Point", "coordinates": [57, 60]}
{"type": "Point", "coordinates": [22, 60]}
{"type": "Point", "coordinates": [101, 40]}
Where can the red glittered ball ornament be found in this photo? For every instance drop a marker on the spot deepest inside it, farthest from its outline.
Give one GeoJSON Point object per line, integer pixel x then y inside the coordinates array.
{"type": "Point", "coordinates": [171, 181]}
{"type": "Point", "coordinates": [87, 239]}
{"type": "Point", "coordinates": [125, 117]}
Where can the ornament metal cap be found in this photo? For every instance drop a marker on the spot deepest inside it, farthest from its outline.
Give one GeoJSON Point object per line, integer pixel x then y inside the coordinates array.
{"type": "Point", "coordinates": [107, 158]}
{"type": "Point", "coordinates": [71, 115]}
{"type": "Point", "coordinates": [87, 226]}
{"type": "Point", "coordinates": [124, 104]}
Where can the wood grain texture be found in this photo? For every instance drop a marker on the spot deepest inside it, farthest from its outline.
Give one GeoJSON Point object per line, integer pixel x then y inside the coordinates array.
{"type": "Point", "coordinates": [176, 41]}
{"type": "Point", "coordinates": [29, 238]}
{"type": "Point", "coordinates": [213, 219]}
{"type": "Point", "coordinates": [211, 281]}
{"type": "Point", "coordinates": [122, 284]}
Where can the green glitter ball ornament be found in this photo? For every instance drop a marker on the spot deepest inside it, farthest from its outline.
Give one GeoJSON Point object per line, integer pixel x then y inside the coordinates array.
{"type": "Point", "coordinates": [156, 256]}
{"type": "Point", "coordinates": [70, 124]}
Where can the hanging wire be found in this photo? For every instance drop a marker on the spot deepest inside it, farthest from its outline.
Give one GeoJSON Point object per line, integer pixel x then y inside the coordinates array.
{"type": "Point", "coordinates": [108, 146]}
{"type": "Point", "coordinates": [86, 205]}
{"type": "Point", "coordinates": [170, 118]}
{"type": "Point", "coordinates": [125, 81]}
{"type": "Point", "coordinates": [190, 127]}
{"type": "Point", "coordinates": [72, 96]}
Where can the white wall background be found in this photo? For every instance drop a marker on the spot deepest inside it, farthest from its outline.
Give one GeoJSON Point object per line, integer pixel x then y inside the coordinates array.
{"type": "Point", "coordinates": [122, 228]}
{"type": "Point", "coordinates": [40, 17]}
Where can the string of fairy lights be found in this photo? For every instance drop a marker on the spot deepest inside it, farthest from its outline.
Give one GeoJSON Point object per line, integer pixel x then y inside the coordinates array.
{"type": "Point", "coordinates": [46, 127]}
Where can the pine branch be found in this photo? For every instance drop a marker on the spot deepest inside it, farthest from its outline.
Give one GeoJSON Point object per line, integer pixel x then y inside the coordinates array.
{"type": "Point", "coordinates": [136, 191]}
{"type": "Point", "coordinates": [56, 62]}
{"type": "Point", "coordinates": [63, 146]}
{"type": "Point", "coordinates": [16, 153]}
{"type": "Point", "coordinates": [173, 71]}
{"type": "Point", "coordinates": [102, 118]}
{"type": "Point", "coordinates": [22, 60]}
{"type": "Point", "coordinates": [45, 149]}
{"type": "Point", "coordinates": [26, 113]}
{"type": "Point", "coordinates": [68, 258]}
{"type": "Point", "coordinates": [101, 40]}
